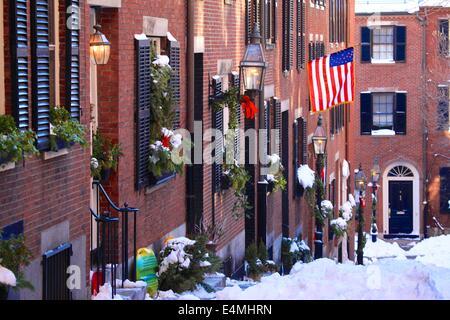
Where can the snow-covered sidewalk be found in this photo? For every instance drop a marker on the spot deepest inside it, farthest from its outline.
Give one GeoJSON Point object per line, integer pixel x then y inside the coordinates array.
{"type": "Point", "coordinates": [392, 273]}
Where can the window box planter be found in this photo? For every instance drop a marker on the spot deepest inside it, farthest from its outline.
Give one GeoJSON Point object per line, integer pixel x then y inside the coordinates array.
{"type": "Point", "coordinates": [4, 158]}
{"type": "Point", "coordinates": [60, 144]}
{"type": "Point", "coordinates": [154, 181]}
{"type": "Point", "coordinates": [225, 182]}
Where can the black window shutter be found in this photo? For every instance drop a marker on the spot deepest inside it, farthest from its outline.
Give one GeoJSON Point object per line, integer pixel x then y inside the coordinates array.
{"type": "Point", "coordinates": [304, 142]}
{"type": "Point", "coordinates": [444, 192]}
{"type": "Point", "coordinates": [277, 122]}
{"type": "Point", "coordinates": [296, 151]}
{"type": "Point", "coordinates": [310, 51]}
{"type": "Point", "coordinates": [288, 35]}
{"type": "Point", "coordinates": [19, 66]}
{"type": "Point", "coordinates": [218, 142]}
{"type": "Point", "coordinates": [400, 43]}
{"type": "Point", "coordinates": [366, 44]}
{"type": "Point", "coordinates": [291, 34]}
{"type": "Point", "coordinates": [400, 113]}
{"type": "Point", "coordinates": [40, 71]}
{"type": "Point", "coordinates": [303, 34]}
{"type": "Point", "coordinates": [235, 82]}
{"type": "Point", "coordinates": [332, 120]}
{"type": "Point", "coordinates": [174, 58]}
{"type": "Point", "coordinates": [249, 19]}
{"type": "Point", "coordinates": [267, 116]}
{"type": "Point", "coordinates": [143, 94]}
{"type": "Point", "coordinates": [366, 113]}
{"type": "Point", "coordinates": [73, 59]}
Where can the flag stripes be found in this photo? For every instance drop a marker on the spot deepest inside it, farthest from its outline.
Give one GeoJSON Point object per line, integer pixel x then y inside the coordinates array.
{"type": "Point", "coordinates": [331, 80]}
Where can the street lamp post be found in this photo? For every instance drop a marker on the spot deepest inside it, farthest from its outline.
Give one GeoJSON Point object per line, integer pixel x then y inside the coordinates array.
{"type": "Point", "coordinates": [252, 71]}
{"type": "Point", "coordinates": [375, 177]}
{"type": "Point", "coordinates": [360, 189]}
{"type": "Point", "coordinates": [320, 141]}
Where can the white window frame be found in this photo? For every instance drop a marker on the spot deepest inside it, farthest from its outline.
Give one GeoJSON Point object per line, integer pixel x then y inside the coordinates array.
{"type": "Point", "coordinates": [382, 60]}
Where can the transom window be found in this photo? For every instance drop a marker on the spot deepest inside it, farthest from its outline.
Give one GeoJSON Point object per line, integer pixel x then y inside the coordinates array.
{"type": "Point", "coordinates": [400, 172]}
{"type": "Point", "coordinates": [383, 109]}
{"type": "Point", "coordinates": [383, 43]}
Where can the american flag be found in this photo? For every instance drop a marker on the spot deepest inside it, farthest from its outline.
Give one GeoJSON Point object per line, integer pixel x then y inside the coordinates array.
{"type": "Point", "coordinates": [331, 80]}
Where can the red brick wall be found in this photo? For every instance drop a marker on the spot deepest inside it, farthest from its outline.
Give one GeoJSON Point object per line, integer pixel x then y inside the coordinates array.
{"type": "Point", "coordinates": [164, 209]}
{"type": "Point", "coordinates": [398, 76]}
{"type": "Point", "coordinates": [439, 141]}
{"type": "Point", "coordinates": [44, 193]}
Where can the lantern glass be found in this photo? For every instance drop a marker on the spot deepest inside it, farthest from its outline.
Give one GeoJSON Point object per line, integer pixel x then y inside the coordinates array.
{"type": "Point", "coordinates": [252, 77]}
{"type": "Point", "coordinates": [99, 47]}
{"type": "Point", "coordinates": [360, 180]}
{"type": "Point", "coordinates": [319, 138]}
{"type": "Point", "coordinates": [253, 64]}
{"type": "Point", "coordinates": [375, 172]}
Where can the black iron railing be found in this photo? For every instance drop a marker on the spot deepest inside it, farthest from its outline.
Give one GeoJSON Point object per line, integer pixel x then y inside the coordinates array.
{"type": "Point", "coordinates": [54, 265]}
{"type": "Point", "coordinates": [107, 217]}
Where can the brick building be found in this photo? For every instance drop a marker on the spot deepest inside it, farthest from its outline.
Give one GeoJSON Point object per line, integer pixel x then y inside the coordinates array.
{"type": "Point", "coordinates": [49, 199]}
{"type": "Point", "coordinates": [401, 114]}
{"type": "Point", "coordinates": [46, 199]}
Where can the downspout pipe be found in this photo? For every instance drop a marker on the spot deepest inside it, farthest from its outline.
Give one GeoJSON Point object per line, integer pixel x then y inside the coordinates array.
{"type": "Point", "coordinates": [423, 23]}
{"type": "Point", "coordinates": [190, 42]}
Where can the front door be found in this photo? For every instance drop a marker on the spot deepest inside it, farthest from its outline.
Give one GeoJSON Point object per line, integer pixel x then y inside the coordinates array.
{"type": "Point", "coordinates": [400, 207]}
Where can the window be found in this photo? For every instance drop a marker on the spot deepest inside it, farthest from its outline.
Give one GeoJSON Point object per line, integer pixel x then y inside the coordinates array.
{"type": "Point", "coordinates": [443, 108]}
{"type": "Point", "coordinates": [383, 107]}
{"type": "Point", "coordinates": [443, 38]}
{"type": "Point", "coordinates": [338, 21]}
{"type": "Point", "coordinates": [383, 44]}
{"type": "Point", "coordinates": [444, 192]}
{"type": "Point", "coordinates": [383, 113]}
{"type": "Point", "coordinates": [270, 12]}
{"type": "Point", "coordinates": [316, 49]}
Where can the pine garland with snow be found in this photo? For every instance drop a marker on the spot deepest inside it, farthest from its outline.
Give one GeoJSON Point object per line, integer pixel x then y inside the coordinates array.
{"type": "Point", "coordinates": [184, 262]}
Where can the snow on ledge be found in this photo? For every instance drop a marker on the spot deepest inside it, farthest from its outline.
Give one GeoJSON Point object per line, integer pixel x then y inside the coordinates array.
{"type": "Point", "coordinates": [383, 132]}
{"type": "Point", "coordinates": [305, 176]}
{"type": "Point", "coordinates": [7, 277]}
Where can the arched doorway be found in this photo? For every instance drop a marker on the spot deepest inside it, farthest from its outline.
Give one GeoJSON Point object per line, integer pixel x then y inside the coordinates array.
{"type": "Point", "coordinates": [401, 200]}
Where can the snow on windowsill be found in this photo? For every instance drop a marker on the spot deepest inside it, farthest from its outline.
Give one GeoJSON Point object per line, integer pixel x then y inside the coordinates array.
{"type": "Point", "coordinates": [382, 61]}
{"type": "Point", "coordinates": [383, 132]}
{"type": "Point", "coordinates": [7, 166]}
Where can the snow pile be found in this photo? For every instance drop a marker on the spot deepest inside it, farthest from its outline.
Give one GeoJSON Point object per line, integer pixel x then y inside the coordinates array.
{"type": "Point", "coordinates": [130, 284]}
{"type": "Point", "coordinates": [197, 294]}
{"type": "Point", "coordinates": [105, 293]}
{"type": "Point", "coordinates": [177, 254]}
{"type": "Point", "coordinates": [7, 277]}
{"type": "Point", "coordinates": [435, 251]}
{"type": "Point", "coordinates": [324, 279]}
{"type": "Point", "coordinates": [382, 249]}
{"type": "Point", "coordinates": [162, 61]}
{"type": "Point", "coordinates": [345, 169]}
{"type": "Point", "coordinates": [305, 176]}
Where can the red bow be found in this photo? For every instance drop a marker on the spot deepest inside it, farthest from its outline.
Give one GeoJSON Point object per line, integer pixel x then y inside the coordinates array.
{"type": "Point", "coordinates": [248, 107]}
{"type": "Point", "coordinates": [166, 141]}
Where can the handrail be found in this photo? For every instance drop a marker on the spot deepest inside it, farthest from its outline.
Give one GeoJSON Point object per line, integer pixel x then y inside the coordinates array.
{"type": "Point", "coordinates": [102, 218]}
{"type": "Point", "coordinates": [111, 203]}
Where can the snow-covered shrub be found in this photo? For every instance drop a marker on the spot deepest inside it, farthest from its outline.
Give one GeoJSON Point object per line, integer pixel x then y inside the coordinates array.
{"type": "Point", "coordinates": [339, 226]}
{"type": "Point", "coordinates": [293, 251]}
{"type": "Point", "coordinates": [327, 207]}
{"type": "Point", "coordinates": [184, 262]}
{"type": "Point", "coordinates": [256, 261]}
